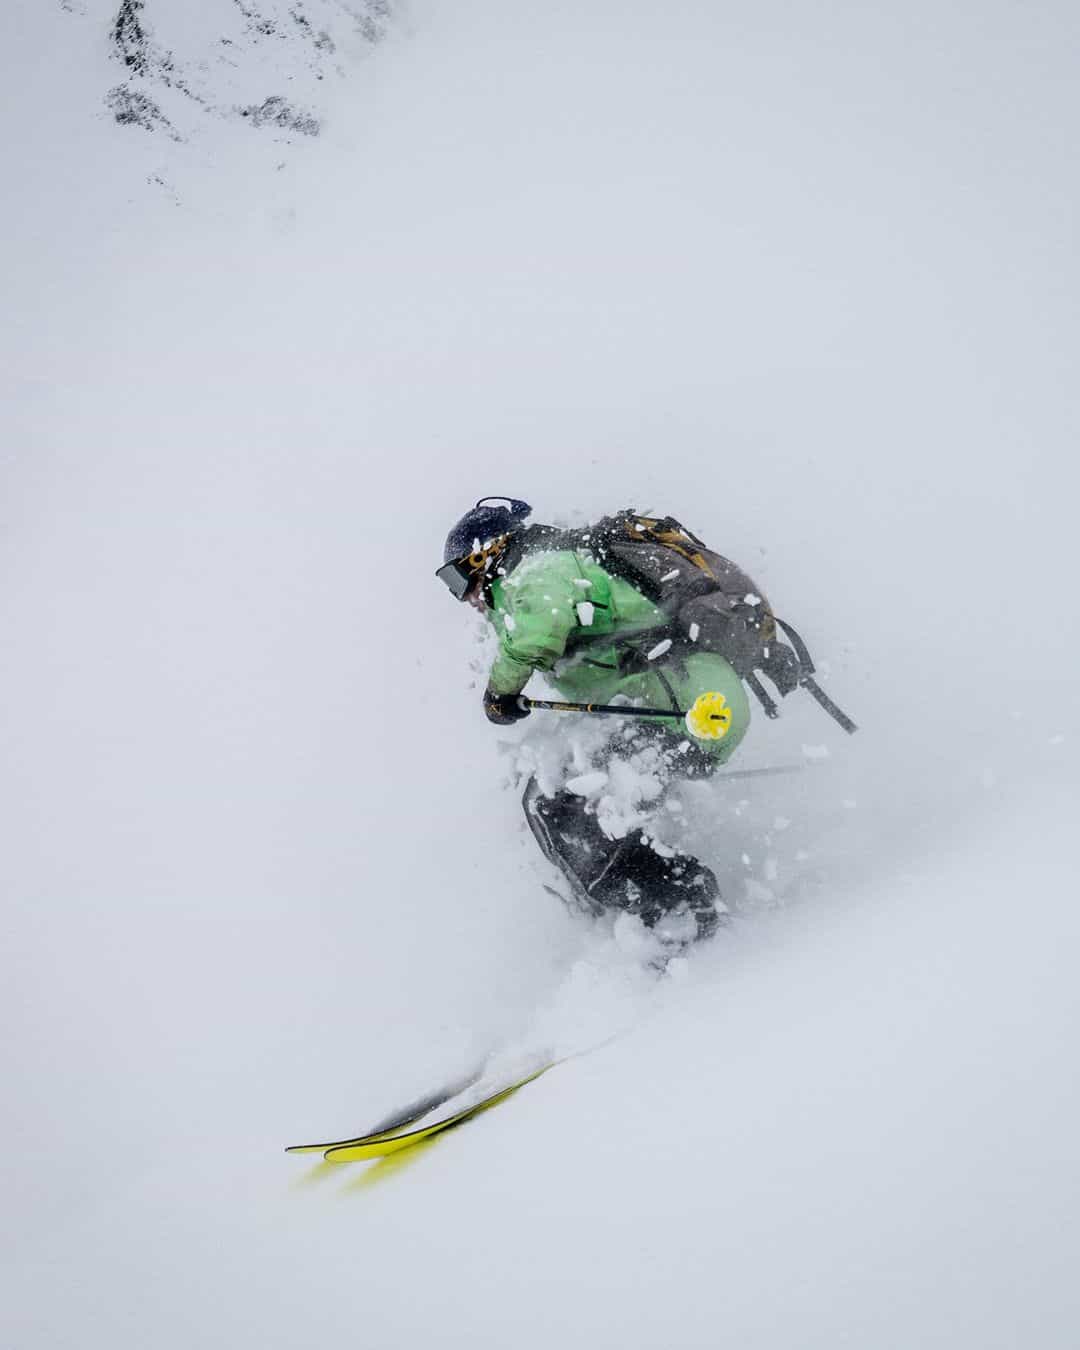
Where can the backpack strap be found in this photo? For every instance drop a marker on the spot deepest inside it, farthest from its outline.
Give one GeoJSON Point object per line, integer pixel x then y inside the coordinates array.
{"type": "Point", "coordinates": [812, 687]}
{"type": "Point", "coordinates": [806, 679]}
{"type": "Point", "coordinates": [762, 696]}
{"type": "Point", "coordinates": [806, 663]}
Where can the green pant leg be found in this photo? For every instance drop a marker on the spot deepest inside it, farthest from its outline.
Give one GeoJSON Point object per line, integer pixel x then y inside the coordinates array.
{"type": "Point", "coordinates": [689, 678]}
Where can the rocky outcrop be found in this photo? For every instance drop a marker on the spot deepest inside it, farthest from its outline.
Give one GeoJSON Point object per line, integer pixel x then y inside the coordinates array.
{"type": "Point", "coordinates": [264, 63]}
{"type": "Point", "coordinates": [132, 108]}
{"type": "Point", "coordinates": [275, 111]}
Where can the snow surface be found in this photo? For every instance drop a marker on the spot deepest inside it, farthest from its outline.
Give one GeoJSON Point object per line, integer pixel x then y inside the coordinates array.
{"type": "Point", "coordinates": [804, 277]}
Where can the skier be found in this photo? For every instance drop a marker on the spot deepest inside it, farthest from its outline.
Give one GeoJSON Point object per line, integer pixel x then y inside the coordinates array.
{"type": "Point", "coordinates": [633, 606]}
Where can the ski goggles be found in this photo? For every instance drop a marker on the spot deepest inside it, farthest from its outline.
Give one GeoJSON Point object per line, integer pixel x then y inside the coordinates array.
{"type": "Point", "coordinates": [458, 578]}
{"type": "Point", "coordinates": [460, 574]}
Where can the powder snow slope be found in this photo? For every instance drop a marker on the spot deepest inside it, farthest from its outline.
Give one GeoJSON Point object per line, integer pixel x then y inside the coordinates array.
{"type": "Point", "coordinates": [807, 279]}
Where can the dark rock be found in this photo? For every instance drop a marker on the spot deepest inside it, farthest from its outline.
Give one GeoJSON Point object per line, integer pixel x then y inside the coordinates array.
{"type": "Point", "coordinates": [278, 112]}
{"type": "Point", "coordinates": [131, 108]}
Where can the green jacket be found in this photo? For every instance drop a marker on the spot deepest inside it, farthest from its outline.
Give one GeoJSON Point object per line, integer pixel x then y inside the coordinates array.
{"type": "Point", "coordinates": [561, 613]}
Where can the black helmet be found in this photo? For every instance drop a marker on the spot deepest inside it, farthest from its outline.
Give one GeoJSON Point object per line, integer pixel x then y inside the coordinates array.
{"type": "Point", "coordinates": [477, 540]}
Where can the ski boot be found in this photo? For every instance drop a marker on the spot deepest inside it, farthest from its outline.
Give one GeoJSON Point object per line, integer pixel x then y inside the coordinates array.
{"type": "Point", "coordinates": [620, 874]}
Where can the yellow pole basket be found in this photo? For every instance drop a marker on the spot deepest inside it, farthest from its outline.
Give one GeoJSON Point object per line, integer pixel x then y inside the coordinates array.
{"type": "Point", "coordinates": [709, 717]}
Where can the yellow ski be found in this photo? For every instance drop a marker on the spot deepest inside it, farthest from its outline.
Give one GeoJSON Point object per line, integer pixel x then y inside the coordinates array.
{"type": "Point", "coordinates": [381, 1146]}
{"type": "Point", "coordinates": [400, 1120]}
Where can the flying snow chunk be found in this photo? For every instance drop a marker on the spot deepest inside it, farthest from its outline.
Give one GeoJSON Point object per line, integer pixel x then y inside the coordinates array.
{"type": "Point", "coordinates": [751, 598]}
{"type": "Point", "coordinates": [695, 629]}
{"type": "Point", "coordinates": [585, 612]}
{"type": "Point", "coordinates": [670, 576]}
{"type": "Point", "coordinates": [508, 619]}
{"type": "Point", "coordinates": [815, 752]}
{"type": "Point", "coordinates": [587, 784]}
{"type": "Point", "coordinates": [659, 649]}
{"type": "Point", "coordinates": [583, 582]}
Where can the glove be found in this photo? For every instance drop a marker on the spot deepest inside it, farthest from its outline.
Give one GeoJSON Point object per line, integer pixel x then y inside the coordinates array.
{"type": "Point", "coordinates": [503, 709]}
{"type": "Point", "coordinates": [782, 667]}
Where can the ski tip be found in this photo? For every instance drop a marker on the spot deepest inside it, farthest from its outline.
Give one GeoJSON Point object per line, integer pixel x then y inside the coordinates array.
{"type": "Point", "coordinates": [406, 1133]}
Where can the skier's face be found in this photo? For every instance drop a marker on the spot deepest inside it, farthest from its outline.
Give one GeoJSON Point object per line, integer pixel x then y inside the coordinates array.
{"type": "Point", "coordinates": [476, 599]}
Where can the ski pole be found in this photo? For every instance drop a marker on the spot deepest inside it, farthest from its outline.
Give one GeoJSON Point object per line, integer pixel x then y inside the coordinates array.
{"type": "Point", "coordinates": [708, 717]}
{"type": "Point", "coordinates": [617, 709]}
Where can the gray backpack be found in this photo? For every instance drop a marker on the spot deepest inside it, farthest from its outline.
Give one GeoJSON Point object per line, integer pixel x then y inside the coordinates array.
{"type": "Point", "coordinates": [711, 603]}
